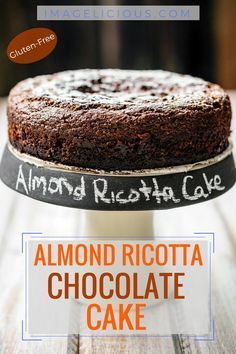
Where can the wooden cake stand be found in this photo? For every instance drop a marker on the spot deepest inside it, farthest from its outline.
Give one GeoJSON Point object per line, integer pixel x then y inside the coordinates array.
{"type": "Point", "coordinates": [107, 195]}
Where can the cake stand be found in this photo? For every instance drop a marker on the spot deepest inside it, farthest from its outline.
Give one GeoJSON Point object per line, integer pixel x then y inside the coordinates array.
{"type": "Point", "coordinates": [118, 203]}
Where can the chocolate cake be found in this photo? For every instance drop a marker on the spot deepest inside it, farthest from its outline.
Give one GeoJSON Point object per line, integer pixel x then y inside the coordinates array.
{"type": "Point", "coordinates": [118, 119]}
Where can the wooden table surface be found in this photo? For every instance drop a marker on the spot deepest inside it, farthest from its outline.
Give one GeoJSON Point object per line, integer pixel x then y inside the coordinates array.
{"type": "Point", "coordinates": [18, 214]}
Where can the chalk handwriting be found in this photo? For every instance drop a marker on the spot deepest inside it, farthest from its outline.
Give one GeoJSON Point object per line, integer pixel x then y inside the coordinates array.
{"type": "Point", "coordinates": [199, 192]}
{"type": "Point", "coordinates": [51, 185]}
{"type": "Point", "coordinates": [101, 190]}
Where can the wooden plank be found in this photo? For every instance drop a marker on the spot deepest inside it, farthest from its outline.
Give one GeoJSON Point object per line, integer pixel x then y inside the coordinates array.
{"type": "Point", "coordinates": [184, 221]}
{"type": "Point", "coordinates": [19, 214]}
{"type": "Point", "coordinates": [225, 31]}
{"type": "Point", "coordinates": [12, 285]}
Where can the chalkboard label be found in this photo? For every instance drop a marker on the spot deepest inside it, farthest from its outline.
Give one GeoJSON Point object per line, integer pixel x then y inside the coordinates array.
{"type": "Point", "coordinates": [115, 192]}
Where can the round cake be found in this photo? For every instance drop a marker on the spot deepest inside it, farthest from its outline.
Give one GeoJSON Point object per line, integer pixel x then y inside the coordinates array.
{"type": "Point", "coordinates": [119, 119]}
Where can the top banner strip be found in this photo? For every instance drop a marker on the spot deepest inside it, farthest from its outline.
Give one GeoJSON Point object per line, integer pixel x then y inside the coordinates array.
{"type": "Point", "coordinates": [118, 13]}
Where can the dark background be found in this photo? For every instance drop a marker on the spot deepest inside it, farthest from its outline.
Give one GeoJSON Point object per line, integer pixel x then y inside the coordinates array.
{"type": "Point", "coordinates": [204, 48]}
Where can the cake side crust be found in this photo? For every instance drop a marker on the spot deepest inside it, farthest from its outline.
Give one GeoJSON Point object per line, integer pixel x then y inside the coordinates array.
{"type": "Point", "coordinates": [119, 119]}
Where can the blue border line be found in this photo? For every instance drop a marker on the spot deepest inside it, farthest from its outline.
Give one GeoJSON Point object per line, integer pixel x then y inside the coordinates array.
{"type": "Point", "coordinates": [27, 233]}
{"type": "Point", "coordinates": [212, 334]}
{"type": "Point", "coordinates": [208, 233]}
{"type": "Point", "coordinates": [26, 284]}
{"type": "Point", "coordinates": [28, 339]}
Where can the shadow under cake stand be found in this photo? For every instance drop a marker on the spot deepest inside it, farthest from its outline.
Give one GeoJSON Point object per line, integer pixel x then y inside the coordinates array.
{"type": "Point", "coordinates": [117, 203]}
